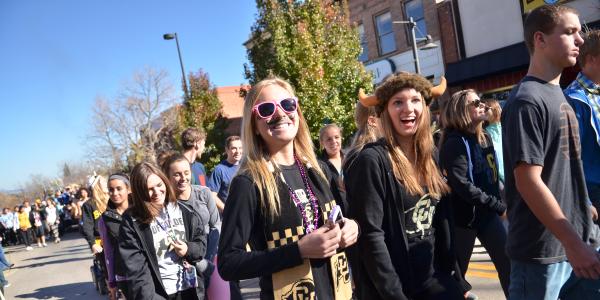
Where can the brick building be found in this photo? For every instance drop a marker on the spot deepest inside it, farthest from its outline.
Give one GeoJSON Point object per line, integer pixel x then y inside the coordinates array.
{"type": "Point", "coordinates": [481, 41]}
{"type": "Point", "coordinates": [387, 46]}
{"type": "Point", "coordinates": [233, 107]}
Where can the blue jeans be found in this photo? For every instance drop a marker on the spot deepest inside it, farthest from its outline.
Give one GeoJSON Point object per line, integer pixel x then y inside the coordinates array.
{"type": "Point", "coordinates": [537, 281]}
{"type": "Point", "coordinates": [3, 280]}
{"type": "Point", "coordinates": [4, 264]}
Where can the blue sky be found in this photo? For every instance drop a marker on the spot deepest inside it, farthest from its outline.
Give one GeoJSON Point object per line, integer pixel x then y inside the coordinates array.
{"type": "Point", "coordinates": [57, 56]}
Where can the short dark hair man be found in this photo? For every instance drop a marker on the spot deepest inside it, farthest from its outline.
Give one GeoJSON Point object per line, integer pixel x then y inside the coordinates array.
{"type": "Point", "coordinates": [221, 177]}
{"type": "Point", "coordinates": [549, 219]}
{"type": "Point", "coordinates": [192, 140]}
{"type": "Point", "coordinates": [584, 96]}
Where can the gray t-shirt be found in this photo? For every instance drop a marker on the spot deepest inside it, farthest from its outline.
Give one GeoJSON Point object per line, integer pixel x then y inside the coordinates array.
{"type": "Point", "coordinates": [539, 128]}
{"type": "Point", "coordinates": [202, 203]}
{"type": "Point", "coordinates": [166, 226]}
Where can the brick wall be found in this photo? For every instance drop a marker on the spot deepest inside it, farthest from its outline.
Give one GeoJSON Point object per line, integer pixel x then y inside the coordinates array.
{"type": "Point", "coordinates": [448, 33]}
{"type": "Point", "coordinates": [364, 12]}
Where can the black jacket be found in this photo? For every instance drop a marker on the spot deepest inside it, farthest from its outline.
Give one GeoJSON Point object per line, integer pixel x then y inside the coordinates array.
{"type": "Point", "coordinates": [136, 248]}
{"type": "Point", "coordinates": [244, 223]}
{"type": "Point", "coordinates": [336, 181]}
{"type": "Point", "coordinates": [90, 215]}
{"type": "Point", "coordinates": [381, 266]}
{"type": "Point", "coordinates": [112, 220]}
{"type": "Point", "coordinates": [471, 200]}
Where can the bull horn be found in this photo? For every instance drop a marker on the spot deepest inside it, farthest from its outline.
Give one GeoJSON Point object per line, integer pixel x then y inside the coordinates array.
{"type": "Point", "coordinates": [439, 89]}
{"type": "Point", "coordinates": [365, 100]}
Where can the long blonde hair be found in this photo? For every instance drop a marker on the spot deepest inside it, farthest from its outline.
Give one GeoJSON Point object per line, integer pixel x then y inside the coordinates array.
{"type": "Point", "coordinates": [256, 160]}
{"type": "Point", "coordinates": [424, 169]}
{"type": "Point", "coordinates": [456, 116]}
{"type": "Point", "coordinates": [99, 195]}
{"type": "Point", "coordinates": [495, 110]}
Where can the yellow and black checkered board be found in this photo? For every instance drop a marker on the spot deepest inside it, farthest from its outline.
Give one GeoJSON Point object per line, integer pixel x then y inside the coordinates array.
{"type": "Point", "coordinates": [287, 236]}
{"type": "Point", "coordinates": [291, 235]}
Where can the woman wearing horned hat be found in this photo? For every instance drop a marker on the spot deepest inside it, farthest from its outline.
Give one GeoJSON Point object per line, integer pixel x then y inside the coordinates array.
{"type": "Point", "coordinates": [394, 190]}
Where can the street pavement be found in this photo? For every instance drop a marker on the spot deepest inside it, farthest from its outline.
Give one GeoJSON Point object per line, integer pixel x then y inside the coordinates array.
{"type": "Point", "coordinates": [482, 275]}
{"type": "Point", "coordinates": [59, 271]}
{"type": "Point", "coordinates": [62, 271]}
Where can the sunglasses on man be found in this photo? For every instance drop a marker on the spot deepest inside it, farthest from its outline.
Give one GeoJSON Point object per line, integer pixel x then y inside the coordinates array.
{"type": "Point", "coordinates": [267, 109]}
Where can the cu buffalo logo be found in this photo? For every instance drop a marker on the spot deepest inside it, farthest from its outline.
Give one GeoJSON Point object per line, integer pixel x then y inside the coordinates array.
{"type": "Point", "coordinates": [341, 271]}
{"type": "Point", "coordinates": [301, 290]}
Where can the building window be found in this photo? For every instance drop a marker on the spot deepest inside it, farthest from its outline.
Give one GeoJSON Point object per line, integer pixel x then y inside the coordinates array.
{"type": "Point", "coordinates": [385, 34]}
{"type": "Point", "coordinates": [414, 9]}
{"type": "Point", "coordinates": [364, 55]}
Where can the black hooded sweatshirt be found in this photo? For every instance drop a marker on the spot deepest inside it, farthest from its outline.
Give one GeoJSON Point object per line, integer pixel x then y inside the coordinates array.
{"type": "Point", "coordinates": [388, 263]}
{"type": "Point", "coordinates": [472, 198]}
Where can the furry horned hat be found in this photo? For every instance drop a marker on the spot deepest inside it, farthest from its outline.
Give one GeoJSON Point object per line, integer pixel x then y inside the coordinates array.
{"type": "Point", "coordinates": [398, 82]}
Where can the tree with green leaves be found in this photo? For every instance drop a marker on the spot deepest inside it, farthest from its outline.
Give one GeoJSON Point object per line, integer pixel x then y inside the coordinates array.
{"type": "Point", "coordinates": [203, 109]}
{"type": "Point", "coordinates": [311, 44]}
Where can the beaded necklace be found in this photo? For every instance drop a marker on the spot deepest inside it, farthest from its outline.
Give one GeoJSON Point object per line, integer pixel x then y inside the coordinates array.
{"type": "Point", "coordinates": [311, 196]}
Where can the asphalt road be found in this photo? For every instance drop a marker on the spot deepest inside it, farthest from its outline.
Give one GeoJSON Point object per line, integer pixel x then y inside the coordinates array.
{"type": "Point", "coordinates": [62, 271]}
{"type": "Point", "coordinates": [483, 276]}
{"type": "Point", "coordinates": [59, 271]}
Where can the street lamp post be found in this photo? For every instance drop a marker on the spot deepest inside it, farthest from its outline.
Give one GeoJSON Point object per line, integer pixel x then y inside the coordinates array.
{"type": "Point", "coordinates": [170, 36]}
{"type": "Point", "coordinates": [413, 38]}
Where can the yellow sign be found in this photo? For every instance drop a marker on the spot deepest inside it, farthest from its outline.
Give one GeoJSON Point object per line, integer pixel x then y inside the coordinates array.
{"type": "Point", "coordinates": [528, 5]}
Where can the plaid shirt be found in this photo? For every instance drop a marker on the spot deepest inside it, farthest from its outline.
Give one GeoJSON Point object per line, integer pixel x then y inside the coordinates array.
{"type": "Point", "coordinates": [592, 91]}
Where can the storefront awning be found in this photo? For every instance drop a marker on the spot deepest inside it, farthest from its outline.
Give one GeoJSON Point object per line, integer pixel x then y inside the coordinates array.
{"type": "Point", "coordinates": [501, 60]}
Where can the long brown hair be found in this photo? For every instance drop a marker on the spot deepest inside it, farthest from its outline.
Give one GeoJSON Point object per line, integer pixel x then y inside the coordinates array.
{"type": "Point", "coordinates": [424, 171]}
{"type": "Point", "coordinates": [256, 161]}
{"type": "Point", "coordinates": [143, 207]}
{"type": "Point", "coordinates": [456, 116]}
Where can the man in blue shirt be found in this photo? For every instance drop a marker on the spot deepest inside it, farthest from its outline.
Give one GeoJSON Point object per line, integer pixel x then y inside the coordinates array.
{"type": "Point", "coordinates": [221, 177]}
{"type": "Point", "coordinates": [584, 96]}
{"type": "Point", "coordinates": [192, 140]}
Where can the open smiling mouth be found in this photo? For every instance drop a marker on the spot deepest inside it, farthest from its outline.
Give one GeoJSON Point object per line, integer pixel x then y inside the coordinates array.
{"type": "Point", "coordinates": [408, 121]}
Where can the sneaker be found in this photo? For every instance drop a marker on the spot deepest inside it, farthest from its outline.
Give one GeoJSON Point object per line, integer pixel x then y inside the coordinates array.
{"type": "Point", "coordinates": [7, 285]}
{"type": "Point", "coordinates": [471, 296]}
{"type": "Point", "coordinates": [29, 248]}
{"type": "Point", "coordinates": [39, 245]}
{"type": "Point", "coordinates": [45, 245]}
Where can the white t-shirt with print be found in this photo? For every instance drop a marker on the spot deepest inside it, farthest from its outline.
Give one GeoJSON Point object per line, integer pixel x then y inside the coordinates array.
{"type": "Point", "coordinates": [166, 226]}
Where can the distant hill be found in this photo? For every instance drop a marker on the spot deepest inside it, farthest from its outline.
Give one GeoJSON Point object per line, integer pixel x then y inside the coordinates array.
{"type": "Point", "coordinates": [10, 192]}
{"type": "Point", "coordinates": [10, 200]}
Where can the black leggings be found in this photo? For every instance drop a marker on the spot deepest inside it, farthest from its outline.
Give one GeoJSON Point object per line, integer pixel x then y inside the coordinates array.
{"type": "Point", "coordinates": [440, 287]}
{"type": "Point", "coordinates": [25, 236]}
{"type": "Point", "coordinates": [492, 236]}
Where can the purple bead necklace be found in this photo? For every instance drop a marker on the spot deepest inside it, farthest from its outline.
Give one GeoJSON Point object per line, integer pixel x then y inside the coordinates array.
{"type": "Point", "coordinates": [311, 196]}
